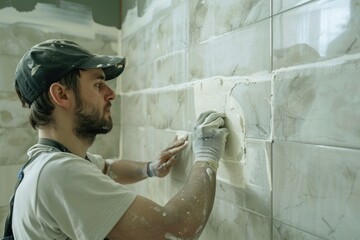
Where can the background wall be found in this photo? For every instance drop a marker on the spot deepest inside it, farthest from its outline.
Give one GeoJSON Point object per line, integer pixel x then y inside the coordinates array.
{"type": "Point", "coordinates": [284, 72]}
{"type": "Point", "coordinates": [286, 75]}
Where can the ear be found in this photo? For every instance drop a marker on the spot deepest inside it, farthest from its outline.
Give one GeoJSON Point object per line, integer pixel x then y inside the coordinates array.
{"type": "Point", "coordinates": [60, 94]}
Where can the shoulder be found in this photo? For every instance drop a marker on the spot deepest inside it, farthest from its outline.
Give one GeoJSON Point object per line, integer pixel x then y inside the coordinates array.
{"type": "Point", "coordinates": [97, 160]}
{"type": "Point", "coordinates": [64, 166]}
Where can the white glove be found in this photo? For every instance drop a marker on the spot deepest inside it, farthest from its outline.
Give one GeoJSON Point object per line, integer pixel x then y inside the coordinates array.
{"type": "Point", "coordinates": [209, 137]}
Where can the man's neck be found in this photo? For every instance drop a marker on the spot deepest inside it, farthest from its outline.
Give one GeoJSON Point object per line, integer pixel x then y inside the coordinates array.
{"type": "Point", "coordinates": [68, 139]}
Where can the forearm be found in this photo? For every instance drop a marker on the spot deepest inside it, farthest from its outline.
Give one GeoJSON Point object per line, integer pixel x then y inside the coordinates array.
{"type": "Point", "coordinates": [127, 172]}
{"type": "Point", "coordinates": [192, 206]}
{"type": "Point", "coordinates": [183, 217]}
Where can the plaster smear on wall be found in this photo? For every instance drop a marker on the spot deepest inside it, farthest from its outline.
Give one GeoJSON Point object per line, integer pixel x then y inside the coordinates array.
{"type": "Point", "coordinates": [133, 22]}
{"type": "Point", "coordinates": [69, 18]}
{"type": "Point", "coordinates": [215, 94]}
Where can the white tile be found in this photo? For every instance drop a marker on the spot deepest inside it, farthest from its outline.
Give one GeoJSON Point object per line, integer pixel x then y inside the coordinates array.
{"type": "Point", "coordinates": [12, 114]}
{"type": "Point", "coordinates": [283, 231]}
{"type": "Point", "coordinates": [136, 77]}
{"type": "Point", "coordinates": [132, 143]}
{"type": "Point", "coordinates": [238, 53]}
{"type": "Point", "coordinates": [143, 13]}
{"type": "Point", "coordinates": [317, 189]}
{"type": "Point", "coordinates": [12, 44]}
{"type": "Point", "coordinates": [254, 97]}
{"type": "Point", "coordinates": [319, 104]}
{"type": "Point", "coordinates": [8, 179]}
{"type": "Point", "coordinates": [3, 214]}
{"type": "Point", "coordinates": [134, 49]}
{"type": "Point", "coordinates": [168, 34]}
{"type": "Point", "coordinates": [213, 18]}
{"type": "Point", "coordinates": [170, 109]}
{"type": "Point", "coordinates": [185, 159]}
{"type": "Point", "coordinates": [107, 145]}
{"type": "Point", "coordinates": [133, 111]}
{"type": "Point", "coordinates": [8, 65]}
{"type": "Point", "coordinates": [258, 179]}
{"type": "Point", "coordinates": [283, 5]}
{"type": "Point", "coordinates": [170, 70]}
{"type": "Point", "coordinates": [228, 221]}
{"type": "Point", "coordinates": [116, 109]}
{"type": "Point", "coordinates": [216, 94]}
{"type": "Point", "coordinates": [325, 29]}
{"type": "Point", "coordinates": [14, 143]}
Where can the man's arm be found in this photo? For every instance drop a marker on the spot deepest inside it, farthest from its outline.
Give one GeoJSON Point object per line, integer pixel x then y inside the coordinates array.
{"type": "Point", "coordinates": [186, 214]}
{"type": "Point", "coordinates": [126, 172]}
{"type": "Point", "coordinates": [183, 217]}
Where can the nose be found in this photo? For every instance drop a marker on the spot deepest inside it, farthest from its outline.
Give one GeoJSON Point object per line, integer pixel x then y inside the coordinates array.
{"type": "Point", "coordinates": [110, 94]}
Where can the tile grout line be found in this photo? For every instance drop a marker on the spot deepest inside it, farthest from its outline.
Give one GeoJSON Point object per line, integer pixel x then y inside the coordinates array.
{"type": "Point", "coordinates": [272, 120]}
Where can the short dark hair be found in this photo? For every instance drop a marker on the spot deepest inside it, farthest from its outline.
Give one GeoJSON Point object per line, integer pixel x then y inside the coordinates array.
{"type": "Point", "coordinates": [41, 109]}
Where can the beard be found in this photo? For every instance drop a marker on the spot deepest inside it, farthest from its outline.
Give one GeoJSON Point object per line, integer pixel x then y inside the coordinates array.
{"type": "Point", "coordinates": [88, 122]}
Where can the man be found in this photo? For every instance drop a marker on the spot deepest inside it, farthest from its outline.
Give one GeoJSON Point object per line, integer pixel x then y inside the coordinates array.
{"type": "Point", "coordinates": [68, 193]}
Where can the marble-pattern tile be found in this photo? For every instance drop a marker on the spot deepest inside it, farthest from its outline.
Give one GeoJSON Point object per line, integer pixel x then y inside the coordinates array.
{"type": "Point", "coordinates": [319, 104]}
{"type": "Point", "coordinates": [16, 45]}
{"type": "Point", "coordinates": [107, 145]}
{"type": "Point", "coordinates": [12, 114]}
{"type": "Point", "coordinates": [3, 214]}
{"type": "Point", "coordinates": [145, 12]}
{"type": "Point", "coordinates": [210, 19]}
{"type": "Point", "coordinates": [116, 108]}
{"type": "Point", "coordinates": [14, 143]}
{"type": "Point", "coordinates": [157, 140]}
{"type": "Point", "coordinates": [170, 70]}
{"type": "Point", "coordinates": [185, 159]}
{"type": "Point", "coordinates": [156, 56]}
{"type": "Point", "coordinates": [132, 143]}
{"type": "Point", "coordinates": [257, 174]}
{"type": "Point", "coordinates": [170, 109]}
{"type": "Point", "coordinates": [8, 65]}
{"type": "Point", "coordinates": [242, 52]}
{"type": "Point", "coordinates": [157, 190]}
{"type": "Point", "coordinates": [317, 189]}
{"type": "Point", "coordinates": [283, 231]}
{"type": "Point", "coordinates": [8, 179]}
{"type": "Point", "coordinates": [254, 96]}
{"type": "Point", "coordinates": [137, 77]}
{"type": "Point", "coordinates": [231, 194]}
{"type": "Point", "coordinates": [168, 34]}
{"type": "Point", "coordinates": [283, 5]}
{"type": "Point", "coordinates": [134, 49]}
{"type": "Point", "coordinates": [325, 29]}
{"type": "Point", "coordinates": [216, 94]}
{"type": "Point", "coordinates": [229, 222]}
{"type": "Point", "coordinates": [133, 110]}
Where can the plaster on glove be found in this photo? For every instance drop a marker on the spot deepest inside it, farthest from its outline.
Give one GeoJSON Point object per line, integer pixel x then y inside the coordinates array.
{"type": "Point", "coordinates": [209, 138]}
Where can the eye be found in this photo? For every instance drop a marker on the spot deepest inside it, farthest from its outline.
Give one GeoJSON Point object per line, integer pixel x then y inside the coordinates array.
{"type": "Point", "coordinates": [99, 85]}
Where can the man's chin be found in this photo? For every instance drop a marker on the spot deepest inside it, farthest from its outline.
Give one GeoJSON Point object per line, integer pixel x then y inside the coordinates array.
{"type": "Point", "coordinates": [106, 129]}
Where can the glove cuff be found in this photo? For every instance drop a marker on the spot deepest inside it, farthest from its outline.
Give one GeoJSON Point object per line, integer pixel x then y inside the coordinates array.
{"type": "Point", "coordinates": [211, 164]}
{"type": "Point", "coordinates": [149, 171]}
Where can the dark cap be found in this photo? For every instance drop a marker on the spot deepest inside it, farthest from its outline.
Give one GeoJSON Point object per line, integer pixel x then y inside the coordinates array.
{"type": "Point", "coordinates": [49, 61]}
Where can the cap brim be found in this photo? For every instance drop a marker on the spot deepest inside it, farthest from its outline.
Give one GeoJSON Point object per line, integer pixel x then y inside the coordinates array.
{"type": "Point", "coordinates": [111, 65]}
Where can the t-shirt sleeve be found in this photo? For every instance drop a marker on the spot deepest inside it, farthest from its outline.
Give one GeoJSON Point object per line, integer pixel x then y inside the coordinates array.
{"type": "Point", "coordinates": [77, 198]}
{"type": "Point", "coordinates": [97, 160]}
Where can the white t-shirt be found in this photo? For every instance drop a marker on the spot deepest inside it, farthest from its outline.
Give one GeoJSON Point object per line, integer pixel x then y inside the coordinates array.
{"type": "Point", "coordinates": [63, 196]}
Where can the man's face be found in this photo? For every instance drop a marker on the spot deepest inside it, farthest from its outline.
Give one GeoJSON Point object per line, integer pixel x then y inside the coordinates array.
{"type": "Point", "coordinates": [92, 114]}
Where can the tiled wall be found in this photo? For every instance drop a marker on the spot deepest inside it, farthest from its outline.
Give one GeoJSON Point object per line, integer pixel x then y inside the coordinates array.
{"type": "Point", "coordinates": [286, 75]}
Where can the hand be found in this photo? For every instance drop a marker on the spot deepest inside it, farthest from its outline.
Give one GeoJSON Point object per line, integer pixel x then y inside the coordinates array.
{"type": "Point", "coordinates": [209, 137]}
{"type": "Point", "coordinates": [167, 158]}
